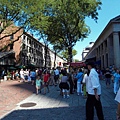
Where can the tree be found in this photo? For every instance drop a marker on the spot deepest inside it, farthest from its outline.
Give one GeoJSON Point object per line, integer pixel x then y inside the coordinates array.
{"type": "Point", "coordinates": [68, 21]}
{"type": "Point", "coordinates": [65, 54]}
{"type": "Point", "coordinates": [64, 21]}
{"type": "Point", "coordinates": [76, 60]}
{"type": "Point", "coordinates": [57, 48]}
{"type": "Point", "coordinates": [18, 12]}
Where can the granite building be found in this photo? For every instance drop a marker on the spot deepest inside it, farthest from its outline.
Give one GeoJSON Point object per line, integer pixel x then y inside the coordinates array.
{"type": "Point", "coordinates": [106, 49]}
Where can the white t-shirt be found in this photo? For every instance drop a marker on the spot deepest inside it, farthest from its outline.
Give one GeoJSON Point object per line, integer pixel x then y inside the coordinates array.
{"type": "Point", "coordinates": [85, 80]}
{"type": "Point", "coordinates": [117, 98]}
{"type": "Point", "coordinates": [93, 82]}
{"type": "Point", "coordinates": [22, 72]}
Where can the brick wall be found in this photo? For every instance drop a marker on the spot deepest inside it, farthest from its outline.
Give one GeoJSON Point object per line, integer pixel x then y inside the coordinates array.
{"type": "Point", "coordinates": [11, 38]}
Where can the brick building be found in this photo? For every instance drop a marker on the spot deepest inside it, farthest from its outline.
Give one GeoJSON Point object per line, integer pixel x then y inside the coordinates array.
{"type": "Point", "coordinates": [20, 48]}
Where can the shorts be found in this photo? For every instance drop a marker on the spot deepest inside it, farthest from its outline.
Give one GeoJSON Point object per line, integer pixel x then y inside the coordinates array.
{"type": "Point", "coordinates": [63, 85]}
{"type": "Point", "coordinates": [33, 78]}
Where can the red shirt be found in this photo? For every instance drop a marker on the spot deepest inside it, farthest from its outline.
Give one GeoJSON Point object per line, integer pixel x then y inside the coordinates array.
{"type": "Point", "coordinates": [46, 77]}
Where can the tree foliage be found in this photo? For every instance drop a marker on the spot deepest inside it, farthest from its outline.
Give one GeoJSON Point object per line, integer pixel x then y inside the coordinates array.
{"type": "Point", "coordinates": [65, 54]}
{"type": "Point", "coordinates": [67, 21]}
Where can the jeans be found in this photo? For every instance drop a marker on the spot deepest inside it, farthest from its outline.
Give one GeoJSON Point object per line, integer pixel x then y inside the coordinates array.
{"type": "Point", "coordinates": [79, 88]}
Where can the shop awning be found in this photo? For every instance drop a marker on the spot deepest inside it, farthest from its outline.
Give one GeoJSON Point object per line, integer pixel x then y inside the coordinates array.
{"type": "Point", "coordinates": [78, 64]}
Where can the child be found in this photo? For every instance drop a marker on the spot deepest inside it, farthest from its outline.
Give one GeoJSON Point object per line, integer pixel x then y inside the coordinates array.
{"type": "Point", "coordinates": [38, 84]}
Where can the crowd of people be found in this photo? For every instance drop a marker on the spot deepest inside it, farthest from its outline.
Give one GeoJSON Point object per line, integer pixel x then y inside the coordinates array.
{"type": "Point", "coordinates": [80, 81]}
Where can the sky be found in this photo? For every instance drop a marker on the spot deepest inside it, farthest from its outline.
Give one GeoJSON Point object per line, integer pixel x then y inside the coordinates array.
{"type": "Point", "coordinates": [109, 10]}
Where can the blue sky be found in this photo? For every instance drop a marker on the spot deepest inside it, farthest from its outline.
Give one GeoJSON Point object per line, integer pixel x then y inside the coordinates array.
{"type": "Point", "coordinates": [110, 9]}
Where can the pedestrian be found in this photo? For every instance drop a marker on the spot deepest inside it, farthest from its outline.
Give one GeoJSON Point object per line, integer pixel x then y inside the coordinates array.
{"type": "Point", "coordinates": [56, 76]}
{"type": "Point", "coordinates": [16, 75]}
{"type": "Point", "coordinates": [117, 98]}
{"type": "Point", "coordinates": [85, 83]}
{"type": "Point", "coordinates": [116, 81]}
{"type": "Point", "coordinates": [71, 82]}
{"type": "Point", "coordinates": [22, 78]}
{"type": "Point", "coordinates": [38, 85]}
{"type": "Point", "coordinates": [108, 78]}
{"type": "Point", "coordinates": [64, 86]}
{"type": "Point", "coordinates": [52, 77]}
{"type": "Point", "coordinates": [46, 77]}
{"type": "Point", "coordinates": [94, 92]}
{"type": "Point", "coordinates": [26, 73]}
{"type": "Point", "coordinates": [33, 76]}
{"type": "Point", "coordinates": [79, 78]}
{"type": "Point", "coordinates": [75, 81]}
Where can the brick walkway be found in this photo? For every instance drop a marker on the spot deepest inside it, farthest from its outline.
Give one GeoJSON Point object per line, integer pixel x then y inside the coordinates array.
{"type": "Point", "coordinates": [11, 93]}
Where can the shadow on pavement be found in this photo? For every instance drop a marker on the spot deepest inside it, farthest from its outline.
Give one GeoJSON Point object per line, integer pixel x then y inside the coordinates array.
{"type": "Point", "coordinates": [62, 113]}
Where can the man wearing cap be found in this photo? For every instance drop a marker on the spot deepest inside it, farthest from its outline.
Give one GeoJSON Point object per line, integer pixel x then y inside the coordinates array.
{"type": "Point", "coordinates": [94, 92]}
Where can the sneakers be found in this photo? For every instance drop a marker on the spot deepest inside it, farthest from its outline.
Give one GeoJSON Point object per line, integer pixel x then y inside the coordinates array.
{"type": "Point", "coordinates": [65, 96]}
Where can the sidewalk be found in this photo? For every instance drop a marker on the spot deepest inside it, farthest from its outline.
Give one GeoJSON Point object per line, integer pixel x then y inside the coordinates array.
{"type": "Point", "coordinates": [11, 93]}
{"type": "Point", "coordinates": [53, 107]}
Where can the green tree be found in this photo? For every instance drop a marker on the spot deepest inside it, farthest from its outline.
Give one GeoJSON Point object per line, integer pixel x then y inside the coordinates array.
{"type": "Point", "coordinates": [67, 20]}
{"type": "Point", "coordinates": [65, 54]}
{"type": "Point", "coordinates": [57, 48]}
{"type": "Point", "coordinates": [76, 60]}
{"type": "Point", "coordinates": [18, 12]}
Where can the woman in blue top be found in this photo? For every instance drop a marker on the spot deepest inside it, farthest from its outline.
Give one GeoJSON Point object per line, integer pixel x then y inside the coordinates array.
{"type": "Point", "coordinates": [116, 81]}
{"type": "Point", "coordinates": [79, 78]}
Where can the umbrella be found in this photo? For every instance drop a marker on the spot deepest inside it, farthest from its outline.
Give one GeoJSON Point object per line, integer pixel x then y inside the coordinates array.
{"type": "Point", "coordinates": [12, 68]}
{"type": "Point", "coordinates": [20, 67]}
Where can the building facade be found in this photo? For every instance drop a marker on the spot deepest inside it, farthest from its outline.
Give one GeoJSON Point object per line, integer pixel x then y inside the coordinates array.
{"type": "Point", "coordinates": [105, 50]}
{"type": "Point", "coordinates": [22, 49]}
{"type": "Point", "coordinates": [86, 50]}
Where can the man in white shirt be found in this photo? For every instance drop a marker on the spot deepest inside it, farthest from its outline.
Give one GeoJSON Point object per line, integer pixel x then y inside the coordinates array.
{"type": "Point", "coordinates": [94, 92]}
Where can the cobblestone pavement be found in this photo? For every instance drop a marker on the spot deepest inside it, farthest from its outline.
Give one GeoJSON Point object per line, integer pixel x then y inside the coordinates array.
{"type": "Point", "coordinates": [53, 107]}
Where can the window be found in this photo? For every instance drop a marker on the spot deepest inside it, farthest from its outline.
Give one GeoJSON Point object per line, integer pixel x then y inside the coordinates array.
{"type": "Point", "coordinates": [11, 46]}
{"type": "Point", "coordinates": [106, 43]}
{"type": "Point", "coordinates": [12, 37]}
{"type": "Point", "coordinates": [23, 46]}
{"type": "Point", "coordinates": [24, 37]}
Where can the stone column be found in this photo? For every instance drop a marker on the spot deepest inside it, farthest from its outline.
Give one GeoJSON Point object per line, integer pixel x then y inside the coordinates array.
{"type": "Point", "coordinates": [104, 53]}
{"type": "Point", "coordinates": [110, 51]}
{"type": "Point", "coordinates": [116, 49]}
